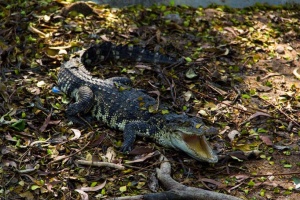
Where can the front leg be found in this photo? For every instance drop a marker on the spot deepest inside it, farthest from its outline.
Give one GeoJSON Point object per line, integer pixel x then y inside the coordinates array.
{"type": "Point", "coordinates": [84, 102]}
{"type": "Point", "coordinates": [133, 129]}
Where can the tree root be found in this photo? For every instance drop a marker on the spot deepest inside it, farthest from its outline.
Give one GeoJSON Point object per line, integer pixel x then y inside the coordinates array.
{"type": "Point", "coordinates": [177, 191]}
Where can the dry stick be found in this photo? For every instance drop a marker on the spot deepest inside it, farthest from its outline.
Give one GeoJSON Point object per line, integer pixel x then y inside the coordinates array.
{"type": "Point", "coordinates": [100, 164]}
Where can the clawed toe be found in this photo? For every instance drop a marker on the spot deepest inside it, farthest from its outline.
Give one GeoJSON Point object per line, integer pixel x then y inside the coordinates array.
{"type": "Point", "coordinates": [125, 149]}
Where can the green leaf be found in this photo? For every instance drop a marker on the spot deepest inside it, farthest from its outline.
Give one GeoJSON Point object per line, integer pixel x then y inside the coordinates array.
{"type": "Point", "coordinates": [123, 188]}
{"type": "Point", "coordinates": [188, 59]}
{"type": "Point", "coordinates": [246, 96]}
{"type": "Point", "coordinates": [18, 144]}
{"type": "Point", "coordinates": [93, 184]}
{"type": "Point", "coordinates": [172, 3]}
{"type": "Point", "coordinates": [140, 185]}
{"type": "Point", "coordinates": [251, 183]}
{"type": "Point", "coordinates": [56, 106]}
{"type": "Point", "coordinates": [186, 23]}
{"type": "Point", "coordinates": [261, 130]}
{"type": "Point", "coordinates": [269, 84]}
{"type": "Point", "coordinates": [164, 112]}
{"type": "Point", "coordinates": [276, 190]}
{"type": "Point", "coordinates": [103, 192]}
{"type": "Point", "coordinates": [31, 39]}
{"type": "Point", "coordinates": [34, 187]}
{"type": "Point", "coordinates": [65, 100]}
{"type": "Point", "coordinates": [287, 153]}
{"type": "Point", "coordinates": [49, 151]}
{"type": "Point", "coordinates": [191, 73]}
{"type": "Point", "coordinates": [262, 192]}
{"type": "Point", "coordinates": [19, 125]}
{"type": "Point", "coordinates": [23, 115]}
{"type": "Point", "coordinates": [21, 183]}
{"type": "Point", "coordinates": [163, 7]}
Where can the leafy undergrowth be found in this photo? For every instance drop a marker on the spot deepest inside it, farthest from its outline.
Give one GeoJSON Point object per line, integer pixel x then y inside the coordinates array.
{"type": "Point", "coordinates": [241, 77]}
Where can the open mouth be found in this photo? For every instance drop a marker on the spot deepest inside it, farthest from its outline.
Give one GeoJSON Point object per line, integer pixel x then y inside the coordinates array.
{"type": "Point", "coordinates": [200, 147]}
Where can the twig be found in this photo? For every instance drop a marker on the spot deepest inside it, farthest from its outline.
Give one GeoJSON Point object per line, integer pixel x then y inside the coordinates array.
{"type": "Point", "coordinates": [100, 164]}
{"type": "Point", "coordinates": [270, 75]}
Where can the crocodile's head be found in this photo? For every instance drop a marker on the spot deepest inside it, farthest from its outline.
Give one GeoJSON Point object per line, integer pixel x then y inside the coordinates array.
{"type": "Point", "coordinates": [188, 135]}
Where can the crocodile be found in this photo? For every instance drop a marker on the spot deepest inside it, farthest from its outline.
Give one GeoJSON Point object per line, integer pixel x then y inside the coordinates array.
{"type": "Point", "coordinates": [131, 110]}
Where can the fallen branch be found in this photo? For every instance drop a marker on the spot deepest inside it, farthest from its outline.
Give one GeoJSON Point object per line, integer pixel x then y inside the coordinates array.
{"type": "Point", "coordinates": [177, 191]}
{"type": "Point", "coordinates": [100, 164]}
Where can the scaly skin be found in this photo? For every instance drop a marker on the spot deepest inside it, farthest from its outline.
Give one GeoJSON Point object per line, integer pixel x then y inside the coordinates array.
{"type": "Point", "coordinates": [130, 110]}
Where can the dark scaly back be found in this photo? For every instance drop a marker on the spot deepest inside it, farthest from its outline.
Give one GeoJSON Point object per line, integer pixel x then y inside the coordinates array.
{"type": "Point", "coordinates": [107, 51]}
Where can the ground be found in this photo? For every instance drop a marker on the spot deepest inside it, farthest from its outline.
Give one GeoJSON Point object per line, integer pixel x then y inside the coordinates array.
{"type": "Point", "coordinates": [241, 76]}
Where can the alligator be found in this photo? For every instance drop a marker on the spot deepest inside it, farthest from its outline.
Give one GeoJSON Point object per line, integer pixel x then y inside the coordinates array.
{"type": "Point", "coordinates": [131, 110]}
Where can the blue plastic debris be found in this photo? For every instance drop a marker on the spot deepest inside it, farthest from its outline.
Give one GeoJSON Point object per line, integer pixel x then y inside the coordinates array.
{"type": "Point", "coordinates": [56, 90]}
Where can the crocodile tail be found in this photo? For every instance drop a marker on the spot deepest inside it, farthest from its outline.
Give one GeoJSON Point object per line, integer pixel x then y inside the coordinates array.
{"type": "Point", "coordinates": [107, 51]}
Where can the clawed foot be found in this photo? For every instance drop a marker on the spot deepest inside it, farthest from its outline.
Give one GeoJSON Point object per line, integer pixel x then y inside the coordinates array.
{"type": "Point", "coordinates": [82, 121]}
{"type": "Point", "coordinates": [125, 148]}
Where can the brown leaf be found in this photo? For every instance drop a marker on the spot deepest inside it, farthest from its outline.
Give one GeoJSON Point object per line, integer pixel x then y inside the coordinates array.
{"type": "Point", "coordinates": [110, 154]}
{"type": "Point", "coordinates": [46, 122]}
{"type": "Point", "coordinates": [54, 122]}
{"type": "Point", "coordinates": [266, 140]}
{"type": "Point", "coordinates": [140, 150]}
{"type": "Point", "coordinates": [9, 163]}
{"type": "Point", "coordinates": [98, 140]}
{"type": "Point", "coordinates": [207, 180]}
{"type": "Point", "coordinates": [77, 134]}
{"type": "Point", "coordinates": [27, 195]}
{"type": "Point", "coordinates": [3, 92]}
{"type": "Point", "coordinates": [145, 157]}
{"type": "Point", "coordinates": [10, 138]}
{"type": "Point", "coordinates": [104, 38]}
{"type": "Point", "coordinates": [158, 35]}
{"type": "Point", "coordinates": [233, 134]}
{"type": "Point", "coordinates": [257, 114]}
{"type": "Point", "coordinates": [84, 195]}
